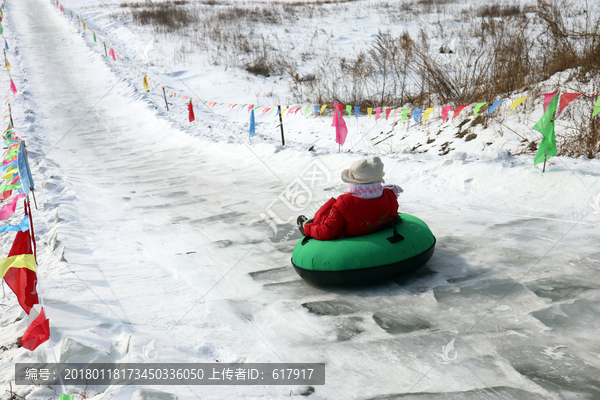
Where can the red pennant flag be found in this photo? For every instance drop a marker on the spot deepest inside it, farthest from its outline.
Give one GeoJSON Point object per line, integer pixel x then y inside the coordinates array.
{"type": "Point", "coordinates": [565, 99]}
{"type": "Point", "coordinates": [21, 276]}
{"type": "Point", "coordinates": [191, 110]}
{"type": "Point", "coordinates": [37, 333]}
{"type": "Point", "coordinates": [458, 110]}
{"type": "Point", "coordinates": [387, 112]}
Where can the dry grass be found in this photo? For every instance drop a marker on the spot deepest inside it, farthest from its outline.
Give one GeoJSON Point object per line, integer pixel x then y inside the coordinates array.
{"type": "Point", "coordinates": [500, 11]}
{"type": "Point", "coordinates": [166, 16]}
{"type": "Point", "coordinates": [312, 3]}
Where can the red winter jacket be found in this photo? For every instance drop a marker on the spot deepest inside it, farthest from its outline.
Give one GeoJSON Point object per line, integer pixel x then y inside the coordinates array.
{"type": "Point", "coordinates": [352, 216]}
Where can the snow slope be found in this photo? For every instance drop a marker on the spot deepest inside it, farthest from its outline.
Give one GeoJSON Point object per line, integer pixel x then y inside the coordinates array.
{"type": "Point", "coordinates": [151, 229]}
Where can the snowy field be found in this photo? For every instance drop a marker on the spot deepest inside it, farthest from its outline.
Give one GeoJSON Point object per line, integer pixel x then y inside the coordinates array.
{"type": "Point", "coordinates": [149, 230]}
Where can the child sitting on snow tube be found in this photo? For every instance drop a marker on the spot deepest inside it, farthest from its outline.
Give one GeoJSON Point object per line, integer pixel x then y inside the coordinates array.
{"type": "Point", "coordinates": [361, 210]}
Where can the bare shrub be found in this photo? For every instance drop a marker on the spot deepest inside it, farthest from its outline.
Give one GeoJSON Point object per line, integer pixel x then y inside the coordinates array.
{"type": "Point", "coordinates": [567, 44]}
{"type": "Point", "coordinates": [499, 11]}
{"type": "Point", "coordinates": [584, 142]}
{"type": "Point", "coordinates": [582, 134]}
{"type": "Point", "coordinates": [166, 16]}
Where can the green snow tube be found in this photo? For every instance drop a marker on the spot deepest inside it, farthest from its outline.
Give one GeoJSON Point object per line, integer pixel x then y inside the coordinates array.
{"type": "Point", "coordinates": [404, 246]}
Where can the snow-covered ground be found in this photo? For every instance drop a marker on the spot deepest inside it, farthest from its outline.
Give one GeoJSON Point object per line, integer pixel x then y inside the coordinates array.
{"type": "Point", "coordinates": [150, 229]}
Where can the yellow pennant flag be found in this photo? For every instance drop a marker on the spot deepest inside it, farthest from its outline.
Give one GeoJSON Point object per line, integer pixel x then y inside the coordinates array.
{"type": "Point", "coordinates": [322, 108]}
{"type": "Point", "coordinates": [20, 261]}
{"type": "Point", "coordinates": [84, 26]}
{"type": "Point", "coordinates": [8, 176]}
{"type": "Point", "coordinates": [369, 111]}
{"type": "Point", "coordinates": [428, 113]}
{"type": "Point", "coordinates": [7, 64]}
{"type": "Point", "coordinates": [516, 103]}
{"type": "Point", "coordinates": [146, 82]}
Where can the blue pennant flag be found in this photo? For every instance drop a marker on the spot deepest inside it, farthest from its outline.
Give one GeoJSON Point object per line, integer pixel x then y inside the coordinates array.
{"type": "Point", "coordinates": [252, 123]}
{"type": "Point", "coordinates": [5, 45]}
{"type": "Point", "coordinates": [495, 105]}
{"type": "Point", "coordinates": [316, 111]}
{"type": "Point", "coordinates": [356, 111]}
{"type": "Point", "coordinates": [417, 115]}
{"type": "Point", "coordinates": [21, 226]}
{"type": "Point", "coordinates": [24, 172]}
{"type": "Point", "coordinates": [5, 166]}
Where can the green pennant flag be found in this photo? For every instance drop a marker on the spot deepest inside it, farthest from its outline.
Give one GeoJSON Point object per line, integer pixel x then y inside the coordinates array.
{"type": "Point", "coordinates": [4, 188]}
{"type": "Point", "coordinates": [477, 108]}
{"type": "Point", "coordinates": [596, 107]}
{"type": "Point", "coordinates": [66, 397]}
{"type": "Point", "coordinates": [546, 127]}
{"type": "Point", "coordinates": [404, 114]}
{"type": "Point", "coordinates": [95, 38]}
{"type": "Point", "coordinates": [349, 109]}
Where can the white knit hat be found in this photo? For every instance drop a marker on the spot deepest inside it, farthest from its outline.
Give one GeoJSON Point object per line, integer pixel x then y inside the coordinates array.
{"type": "Point", "coordinates": [367, 170]}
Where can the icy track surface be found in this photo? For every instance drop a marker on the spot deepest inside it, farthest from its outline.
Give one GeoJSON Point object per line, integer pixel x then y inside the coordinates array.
{"type": "Point", "coordinates": [148, 231]}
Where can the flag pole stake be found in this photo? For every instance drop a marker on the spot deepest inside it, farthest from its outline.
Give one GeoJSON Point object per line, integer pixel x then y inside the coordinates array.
{"type": "Point", "coordinates": [105, 52]}
{"type": "Point", "coordinates": [10, 114]}
{"type": "Point", "coordinates": [281, 126]}
{"type": "Point", "coordinates": [165, 95]}
{"type": "Point", "coordinates": [545, 158]}
{"type": "Point", "coordinates": [34, 201]}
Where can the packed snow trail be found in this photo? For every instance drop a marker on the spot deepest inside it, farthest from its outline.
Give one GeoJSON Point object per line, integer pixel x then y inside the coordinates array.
{"type": "Point", "coordinates": [152, 234]}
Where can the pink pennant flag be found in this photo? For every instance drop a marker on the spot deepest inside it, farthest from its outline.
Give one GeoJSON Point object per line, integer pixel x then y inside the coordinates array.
{"type": "Point", "coordinates": [341, 130]}
{"type": "Point", "coordinates": [565, 99]}
{"type": "Point", "coordinates": [112, 53]}
{"type": "Point", "coordinates": [13, 88]}
{"type": "Point", "coordinates": [445, 112]}
{"type": "Point", "coordinates": [377, 114]}
{"type": "Point", "coordinates": [250, 107]}
{"type": "Point", "coordinates": [9, 209]}
{"type": "Point", "coordinates": [458, 110]}
{"type": "Point", "coordinates": [9, 161]}
{"type": "Point", "coordinates": [548, 98]}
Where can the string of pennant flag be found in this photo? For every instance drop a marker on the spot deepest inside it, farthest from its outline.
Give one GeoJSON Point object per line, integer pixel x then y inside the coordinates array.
{"type": "Point", "coordinates": [419, 115]}
{"type": "Point", "coordinates": [19, 268]}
